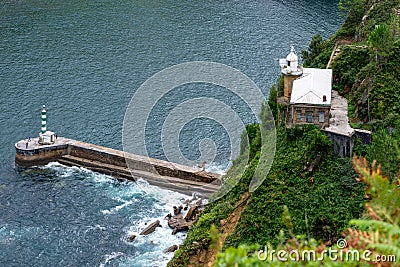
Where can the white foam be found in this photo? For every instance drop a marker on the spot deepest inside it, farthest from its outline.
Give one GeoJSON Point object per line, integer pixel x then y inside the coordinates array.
{"type": "Point", "coordinates": [52, 164]}
{"type": "Point", "coordinates": [110, 257]}
{"type": "Point", "coordinates": [117, 208]}
{"type": "Point", "coordinates": [141, 186]}
{"type": "Point", "coordinates": [100, 178]}
{"type": "Point", "coordinates": [170, 198]}
{"type": "Point", "coordinates": [218, 168]}
{"type": "Point", "coordinates": [149, 249]}
{"type": "Point", "coordinates": [67, 171]}
{"type": "Point", "coordinates": [62, 170]}
{"type": "Point", "coordinates": [95, 227]}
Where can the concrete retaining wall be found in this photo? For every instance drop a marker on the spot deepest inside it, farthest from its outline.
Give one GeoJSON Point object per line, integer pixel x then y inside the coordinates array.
{"type": "Point", "coordinates": [365, 136]}
{"type": "Point", "coordinates": [343, 144]}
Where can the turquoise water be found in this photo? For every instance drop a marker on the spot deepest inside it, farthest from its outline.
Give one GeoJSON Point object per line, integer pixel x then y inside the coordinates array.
{"type": "Point", "coordinates": [84, 60]}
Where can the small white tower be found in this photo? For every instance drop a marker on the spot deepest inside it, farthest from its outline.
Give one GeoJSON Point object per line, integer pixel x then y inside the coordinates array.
{"type": "Point", "coordinates": [290, 65]}
{"type": "Point", "coordinates": [291, 70]}
{"type": "Point", "coordinates": [45, 137]}
{"type": "Point", "coordinates": [292, 60]}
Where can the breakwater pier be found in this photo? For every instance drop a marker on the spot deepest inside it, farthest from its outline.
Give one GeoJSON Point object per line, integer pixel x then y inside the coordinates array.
{"type": "Point", "coordinates": [116, 163]}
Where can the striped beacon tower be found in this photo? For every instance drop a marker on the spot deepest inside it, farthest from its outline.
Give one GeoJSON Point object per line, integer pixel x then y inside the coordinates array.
{"type": "Point", "coordinates": [45, 137]}
{"type": "Point", "coordinates": [44, 119]}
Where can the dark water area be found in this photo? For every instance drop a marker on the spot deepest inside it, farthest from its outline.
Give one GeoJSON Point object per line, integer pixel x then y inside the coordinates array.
{"type": "Point", "coordinates": [85, 60]}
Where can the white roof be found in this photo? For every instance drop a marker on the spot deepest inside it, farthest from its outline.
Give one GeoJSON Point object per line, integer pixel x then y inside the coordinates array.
{"type": "Point", "coordinates": [312, 86]}
{"type": "Point", "coordinates": [292, 55]}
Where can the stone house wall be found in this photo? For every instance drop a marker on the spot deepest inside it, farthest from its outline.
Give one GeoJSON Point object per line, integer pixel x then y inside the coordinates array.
{"type": "Point", "coordinates": [301, 114]}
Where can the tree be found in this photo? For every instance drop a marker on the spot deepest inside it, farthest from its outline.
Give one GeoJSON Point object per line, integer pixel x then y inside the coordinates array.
{"type": "Point", "coordinates": [385, 149]}
{"type": "Point", "coordinates": [381, 42]}
{"type": "Point", "coordinates": [314, 49]}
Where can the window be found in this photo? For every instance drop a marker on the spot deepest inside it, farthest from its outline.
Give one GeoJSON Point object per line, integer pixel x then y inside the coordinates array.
{"type": "Point", "coordinates": [321, 116]}
{"type": "Point", "coordinates": [298, 118]}
{"type": "Point", "coordinates": [309, 116]}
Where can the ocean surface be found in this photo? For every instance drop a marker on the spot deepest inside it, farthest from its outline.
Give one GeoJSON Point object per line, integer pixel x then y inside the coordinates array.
{"type": "Point", "coordinates": [85, 60]}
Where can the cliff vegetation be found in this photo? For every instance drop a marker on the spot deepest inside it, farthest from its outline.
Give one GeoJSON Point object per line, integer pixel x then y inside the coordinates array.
{"type": "Point", "coordinates": [310, 208]}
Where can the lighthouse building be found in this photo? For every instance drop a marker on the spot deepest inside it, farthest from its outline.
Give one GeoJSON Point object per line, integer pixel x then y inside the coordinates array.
{"type": "Point", "coordinates": [306, 94]}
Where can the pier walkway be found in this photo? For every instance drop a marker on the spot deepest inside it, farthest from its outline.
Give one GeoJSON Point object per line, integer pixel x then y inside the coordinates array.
{"type": "Point", "coordinates": [119, 164]}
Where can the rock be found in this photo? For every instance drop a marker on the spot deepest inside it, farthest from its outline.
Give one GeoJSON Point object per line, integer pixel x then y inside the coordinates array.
{"type": "Point", "coordinates": [176, 220]}
{"type": "Point", "coordinates": [174, 231]}
{"type": "Point", "coordinates": [149, 229]}
{"type": "Point", "coordinates": [190, 213]}
{"type": "Point", "coordinates": [171, 249]}
{"type": "Point", "coordinates": [177, 210]}
{"type": "Point", "coordinates": [131, 238]}
{"type": "Point", "coordinates": [178, 223]}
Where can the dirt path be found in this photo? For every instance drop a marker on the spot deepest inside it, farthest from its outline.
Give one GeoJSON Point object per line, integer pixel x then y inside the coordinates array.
{"type": "Point", "coordinates": [207, 257]}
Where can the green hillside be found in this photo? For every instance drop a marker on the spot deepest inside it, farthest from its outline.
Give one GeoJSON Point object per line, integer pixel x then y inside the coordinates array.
{"type": "Point", "coordinates": [301, 208]}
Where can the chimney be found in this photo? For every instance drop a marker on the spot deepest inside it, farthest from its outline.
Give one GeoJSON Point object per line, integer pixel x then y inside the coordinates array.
{"type": "Point", "coordinates": [324, 98]}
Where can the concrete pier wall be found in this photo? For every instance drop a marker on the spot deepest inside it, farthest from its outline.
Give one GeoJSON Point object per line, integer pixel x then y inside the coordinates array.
{"type": "Point", "coordinates": [118, 164]}
{"type": "Point", "coordinates": [39, 156]}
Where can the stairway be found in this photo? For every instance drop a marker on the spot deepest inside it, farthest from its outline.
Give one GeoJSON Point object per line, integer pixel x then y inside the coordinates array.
{"type": "Point", "coordinates": [336, 50]}
{"type": "Point", "coordinates": [334, 54]}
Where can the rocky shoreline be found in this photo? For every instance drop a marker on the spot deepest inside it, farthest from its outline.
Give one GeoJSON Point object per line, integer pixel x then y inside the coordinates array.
{"type": "Point", "coordinates": [181, 219]}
